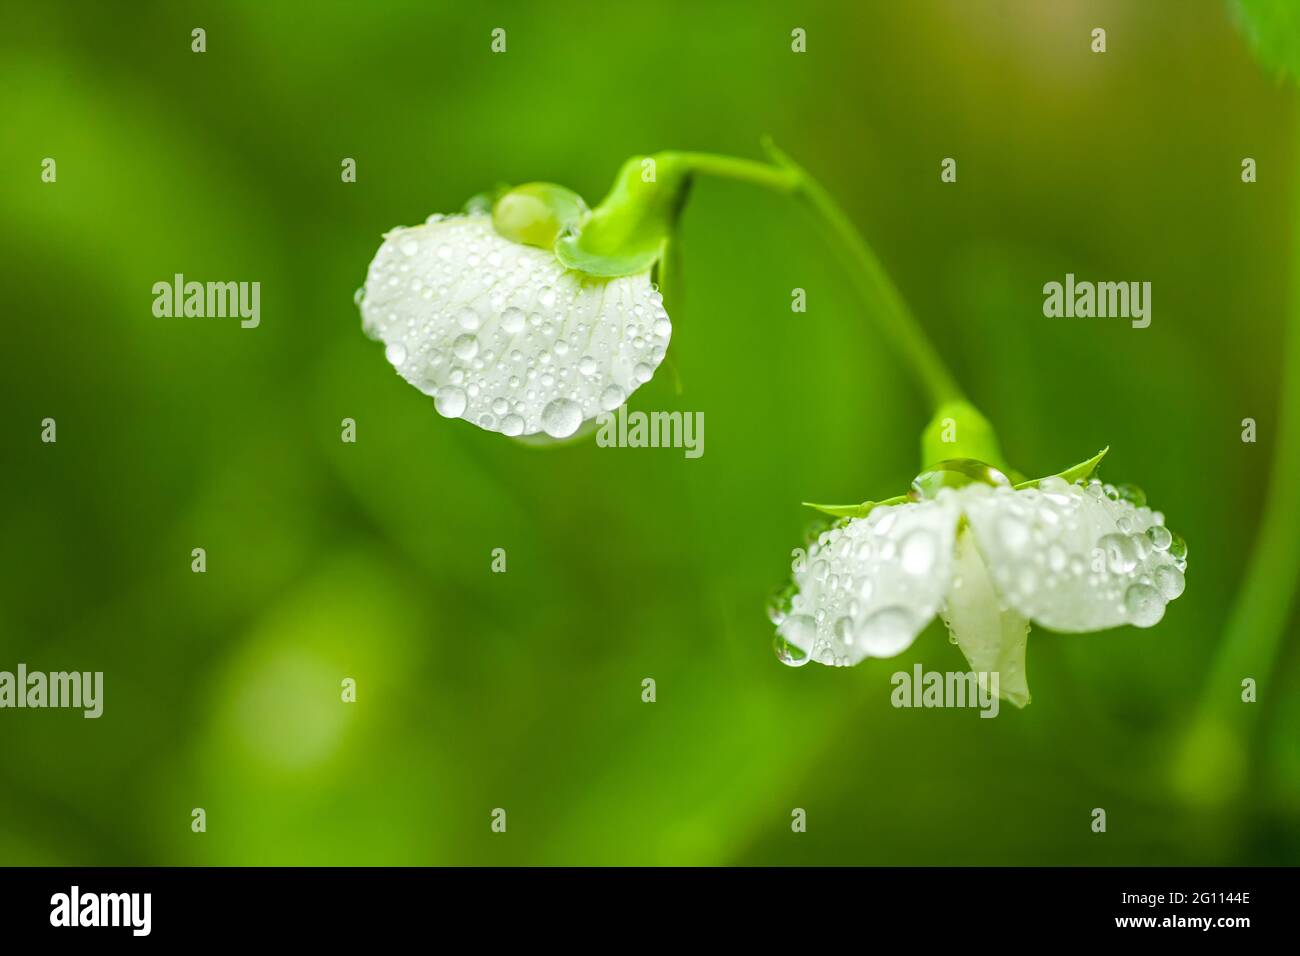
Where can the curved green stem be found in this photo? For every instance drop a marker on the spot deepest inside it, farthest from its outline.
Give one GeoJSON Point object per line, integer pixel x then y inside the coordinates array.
{"type": "Point", "coordinates": [1212, 765]}
{"type": "Point", "coordinates": [869, 277]}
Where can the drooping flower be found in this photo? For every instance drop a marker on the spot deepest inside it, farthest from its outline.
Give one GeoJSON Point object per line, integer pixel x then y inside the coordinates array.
{"type": "Point", "coordinates": [531, 313]}
{"type": "Point", "coordinates": [502, 334]}
{"type": "Point", "coordinates": [987, 556]}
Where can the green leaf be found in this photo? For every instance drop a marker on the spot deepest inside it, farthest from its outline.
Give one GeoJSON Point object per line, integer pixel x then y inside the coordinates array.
{"type": "Point", "coordinates": [858, 510]}
{"type": "Point", "coordinates": [1082, 470]}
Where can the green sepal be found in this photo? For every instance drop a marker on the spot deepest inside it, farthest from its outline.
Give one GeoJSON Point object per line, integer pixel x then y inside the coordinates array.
{"type": "Point", "coordinates": [858, 510]}
{"type": "Point", "coordinates": [1083, 469]}
{"type": "Point", "coordinates": [958, 430]}
{"type": "Point", "coordinates": [629, 231]}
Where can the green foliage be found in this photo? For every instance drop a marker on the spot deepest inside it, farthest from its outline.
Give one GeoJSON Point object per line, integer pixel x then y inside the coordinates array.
{"type": "Point", "coordinates": [1273, 30]}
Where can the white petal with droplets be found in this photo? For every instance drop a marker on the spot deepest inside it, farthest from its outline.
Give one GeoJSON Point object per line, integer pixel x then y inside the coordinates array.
{"type": "Point", "coordinates": [868, 588]}
{"type": "Point", "coordinates": [504, 336]}
{"type": "Point", "coordinates": [1072, 558]}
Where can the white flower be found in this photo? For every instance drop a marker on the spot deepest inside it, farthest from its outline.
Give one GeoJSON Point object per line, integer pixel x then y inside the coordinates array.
{"type": "Point", "coordinates": [1071, 557]}
{"type": "Point", "coordinates": [502, 334]}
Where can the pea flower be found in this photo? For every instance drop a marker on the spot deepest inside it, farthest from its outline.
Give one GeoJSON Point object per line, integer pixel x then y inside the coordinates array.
{"type": "Point", "coordinates": [531, 313]}
{"type": "Point", "coordinates": [989, 557]}
{"type": "Point", "coordinates": [476, 311]}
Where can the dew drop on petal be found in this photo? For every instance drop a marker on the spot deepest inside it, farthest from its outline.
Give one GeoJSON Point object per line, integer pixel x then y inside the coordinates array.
{"type": "Point", "coordinates": [887, 632]}
{"type": "Point", "coordinates": [468, 319]}
{"type": "Point", "coordinates": [512, 425]}
{"type": "Point", "coordinates": [778, 605]}
{"type": "Point", "coordinates": [1170, 581]}
{"type": "Point", "coordinates": [788, 654]}
{"type": "Point", "coordinates": [561, 418]}
{"type": "Point", "coordinates": [612, 397]}
{"type": "Point", "coordinates": [1177, 547]}
{"type": "Point", "coordinates": [1132, 494]}
{"type": "Point", "coordinates": [465, 347]}
{"type": "Point", "coordinates": [1121, 556]}
{"type": "Point", "coordinates": [1144, 604]}
{"type": "Point", "coordinates": [796, 635]}
{"type": "Point", "coordinates": [844, 628]}
{"type": "Point", "coordinates": [395, 353]}
{"type": "Point", "coordinates": [512, 321]}
{"type": "Point", "coordinates": [1159, 537]}
{"type": "Point", "coordinates": [450, 402]}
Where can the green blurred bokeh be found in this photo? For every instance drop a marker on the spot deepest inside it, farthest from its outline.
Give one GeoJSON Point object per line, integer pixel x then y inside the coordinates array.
{"type": "Point", "coordinates": [371, 560]}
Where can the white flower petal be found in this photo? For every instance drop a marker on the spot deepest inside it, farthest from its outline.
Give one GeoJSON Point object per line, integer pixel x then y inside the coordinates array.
{"type": "Point", "coordinates": [1072, 559]}
{"type": "Point", "coordinates": [992, 638]}
{"type": "Point", "coordinates": [868, 588]}
{"type": "Point", "coordinates": [502, 335]}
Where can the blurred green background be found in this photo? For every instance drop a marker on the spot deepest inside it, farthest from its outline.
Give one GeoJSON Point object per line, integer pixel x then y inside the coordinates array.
{"type": "Point", "coordinates": [372, 560]}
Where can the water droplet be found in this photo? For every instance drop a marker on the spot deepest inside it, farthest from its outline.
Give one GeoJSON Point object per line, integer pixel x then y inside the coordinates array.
{"type": "Point", "coordinates": [450, 402]}
{"type": "Point", "coordinates": [887, 633]}
{"type": "Point", "coordinates": [1144, 604]}
{"type": "Point", "coordinates": [778, 605]}
{"type": "Point", "coordinates": [844, 631]}
{"type": "Point", "coordinates": [611, 398]}
{"type": "Point", "coordinates": [643, 372]}
{"type": "Point", "coordinates": [1121, 556]}
{"type": "Point", "coordinates": [512, 425]}
{"type": "Point", "coordinates": [587, 366]}
{"type": "Point", "coordinates": [468, 319]}
{"type": "Point", "coordinates": [954, 473]}
{"type": "Point", "coordinates": [546, 296]}
{"type": "Point", "coordinates": [794, 640]}
{"type": "Point", "coordinates": [409, 247]}
{"type": "Point", "coordinates": [1170, 581]}
{"type": "Point", "coordinates": [561, 418]}
{"type": "Point", "coordinates": [1132, 494]}
{"type": "Point", "coordinates": [465, 346]}
{"type": "Point", "coordinates": [512, 321]}
{"type": "Point", "coordinates": [1177, 547]}
{"type": "Point", "coordinates": [395, 352]}
{"type": "Point", "coordinates": [1159, 537]}
{"type": "Point", "coordinates": [788, 654]}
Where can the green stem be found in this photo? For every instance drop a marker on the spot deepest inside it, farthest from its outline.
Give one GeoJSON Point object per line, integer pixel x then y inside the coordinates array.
{"type": "Point", "coordinates": [1212, 765]}
{"type": "Point", "coordinates": [869, 277]}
